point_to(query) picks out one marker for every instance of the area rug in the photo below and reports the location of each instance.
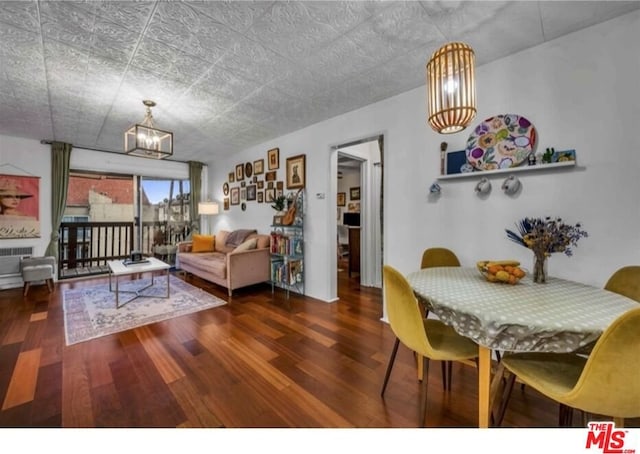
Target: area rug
(90, 312)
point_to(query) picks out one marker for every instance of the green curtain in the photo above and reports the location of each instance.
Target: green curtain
(195, 183)
(60, 156)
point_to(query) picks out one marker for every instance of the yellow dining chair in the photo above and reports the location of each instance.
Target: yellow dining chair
(430, 339)
(438, 256)
(626, 282)
(605, 383)
(432, 257)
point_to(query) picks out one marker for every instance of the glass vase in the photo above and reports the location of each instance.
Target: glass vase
(540, 268)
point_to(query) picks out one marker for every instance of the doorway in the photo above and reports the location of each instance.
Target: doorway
(357, 191)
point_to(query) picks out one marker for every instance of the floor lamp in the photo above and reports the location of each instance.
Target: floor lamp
(208, 209)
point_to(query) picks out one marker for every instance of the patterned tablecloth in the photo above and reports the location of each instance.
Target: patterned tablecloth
(559, 316)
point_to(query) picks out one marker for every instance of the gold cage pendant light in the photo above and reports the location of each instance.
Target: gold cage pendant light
(147, 141)
(451, 85)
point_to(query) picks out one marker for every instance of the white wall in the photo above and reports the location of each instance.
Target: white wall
(580, 91)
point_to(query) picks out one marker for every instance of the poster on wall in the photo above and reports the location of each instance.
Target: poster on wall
(19, 206)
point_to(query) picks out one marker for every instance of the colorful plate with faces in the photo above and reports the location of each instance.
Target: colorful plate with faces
(501, 142)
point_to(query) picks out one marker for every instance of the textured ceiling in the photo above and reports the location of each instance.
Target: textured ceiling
(227, 75)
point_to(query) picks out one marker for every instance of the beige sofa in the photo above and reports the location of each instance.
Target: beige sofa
(225, 267)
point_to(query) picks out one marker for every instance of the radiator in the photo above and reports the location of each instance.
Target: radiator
(10, 265)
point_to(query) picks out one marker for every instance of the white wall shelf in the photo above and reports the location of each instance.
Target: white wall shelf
(510, 170)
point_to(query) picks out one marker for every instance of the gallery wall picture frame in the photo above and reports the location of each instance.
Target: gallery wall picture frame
(270, 185)
(354, 193)
(271, 176)
(240, 172)
(232, 177)
(279, 193)
(251, 192)
(243, 193)
(277, 220)
(273, 159)
(260, 197)
(279, 184)
(342, 199)
(235, 196)
(296, 172)
(270, 195)
(255, 179)
(260, 184)
(248, 170)
(243, 184)
(225, 188)
(226, 204)
(258, 167)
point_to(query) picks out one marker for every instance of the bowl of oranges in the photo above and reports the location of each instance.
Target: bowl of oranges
(503, 271)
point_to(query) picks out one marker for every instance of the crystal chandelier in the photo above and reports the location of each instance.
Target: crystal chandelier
(146, 140)
(451, 86)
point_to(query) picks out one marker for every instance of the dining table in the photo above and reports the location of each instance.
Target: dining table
(560, 315)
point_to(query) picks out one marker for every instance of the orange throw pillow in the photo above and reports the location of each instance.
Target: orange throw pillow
(203, 243)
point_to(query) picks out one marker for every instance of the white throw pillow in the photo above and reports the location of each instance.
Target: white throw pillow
(247, 245)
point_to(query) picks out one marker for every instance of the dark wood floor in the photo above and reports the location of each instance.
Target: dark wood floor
(260, 361)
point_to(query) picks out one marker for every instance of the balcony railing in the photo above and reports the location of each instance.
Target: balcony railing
(86, 247)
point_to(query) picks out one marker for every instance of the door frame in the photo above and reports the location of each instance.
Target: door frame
(366, 179)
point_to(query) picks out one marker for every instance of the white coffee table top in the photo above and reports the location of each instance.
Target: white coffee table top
(118, 267)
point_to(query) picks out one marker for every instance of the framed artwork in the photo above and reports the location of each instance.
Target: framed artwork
(270, 185)
(279, 193)
(270, 176)
(19, 206)
(354, 193)
(243, 194)
(258, 166)
(273, 159)
(248, 170)
(296, 172)
(243, 184)
(454, 160)
(260, 197)
(232, 177)
(240, 172)
(235, 196)
(342, 199)
(354, 207)
(255, 179)
(563, 156)
(226, 204)
(251, 192)
(270, 195)
(260, 184)
(279, 185)
(277, 220)
(225, 188)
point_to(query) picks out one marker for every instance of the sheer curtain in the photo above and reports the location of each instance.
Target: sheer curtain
(60, 157)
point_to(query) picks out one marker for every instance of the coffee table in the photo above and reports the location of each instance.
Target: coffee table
(118, 268)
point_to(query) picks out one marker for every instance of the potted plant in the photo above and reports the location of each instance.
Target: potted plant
(279, 203)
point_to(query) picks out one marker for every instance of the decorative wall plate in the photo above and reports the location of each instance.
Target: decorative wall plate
(501, 142)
